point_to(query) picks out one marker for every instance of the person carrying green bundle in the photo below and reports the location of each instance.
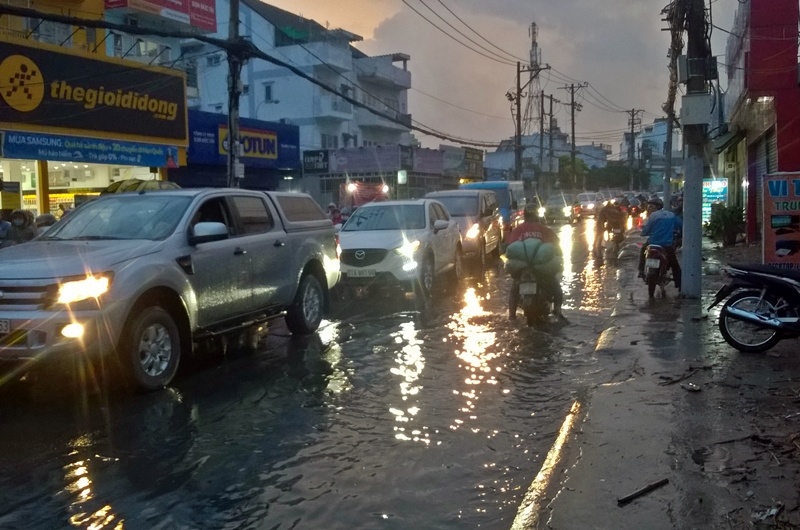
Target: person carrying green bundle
(547, 258)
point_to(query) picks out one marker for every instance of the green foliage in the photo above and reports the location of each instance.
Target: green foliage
(725, 223)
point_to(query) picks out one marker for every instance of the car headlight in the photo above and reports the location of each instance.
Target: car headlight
(90, 287)
(590, 206)
(542, 211)
(473, 231)
(567, 210)
(408, 248)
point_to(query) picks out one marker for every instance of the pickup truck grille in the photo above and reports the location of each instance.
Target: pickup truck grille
(371, 257)
(30, 296)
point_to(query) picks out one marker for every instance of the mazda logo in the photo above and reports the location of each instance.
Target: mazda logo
(360, 254)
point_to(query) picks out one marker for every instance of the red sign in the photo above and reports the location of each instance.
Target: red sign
(201, 14)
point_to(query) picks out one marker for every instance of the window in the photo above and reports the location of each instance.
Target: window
(268, 92)
(214, 60)
(212, 211)
(245, 89)
(253, 214)
(298, 208)
(329, 141)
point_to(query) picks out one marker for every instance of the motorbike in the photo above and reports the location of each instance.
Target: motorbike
(617, 237)
(656, 270)
(536, 303)
(762, 306)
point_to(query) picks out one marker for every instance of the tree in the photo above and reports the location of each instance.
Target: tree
(568, 176)
(615, 176)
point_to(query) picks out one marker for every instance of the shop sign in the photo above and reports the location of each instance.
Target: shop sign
(199, 14)
(315, 162)
(714, 191)
(264, 144)
(31, 146)
(79, 93)
(254, 143)
(781, 222)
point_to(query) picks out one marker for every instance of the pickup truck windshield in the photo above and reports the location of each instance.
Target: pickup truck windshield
(394, 217)
(123, 217)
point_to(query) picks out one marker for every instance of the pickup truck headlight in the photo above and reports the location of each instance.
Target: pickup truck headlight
(473, 231)
(567, 210)
(590, 206)
(408, 248)
(73, 291)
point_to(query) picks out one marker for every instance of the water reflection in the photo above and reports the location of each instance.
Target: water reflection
(410, 364)
(477, 340)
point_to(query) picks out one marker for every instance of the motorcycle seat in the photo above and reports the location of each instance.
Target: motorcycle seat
(793, 274)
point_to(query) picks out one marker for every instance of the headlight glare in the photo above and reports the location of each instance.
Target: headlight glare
(408, 248)
(77, 290)
(542, 211)
(567, 210)
(473, 231)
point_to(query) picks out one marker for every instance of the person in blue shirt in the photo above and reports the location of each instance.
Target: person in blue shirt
(661, 227)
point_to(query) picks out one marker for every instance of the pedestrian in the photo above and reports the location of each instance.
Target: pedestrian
(331, 207)
(43, 222)
(22, 230)
(336, 217)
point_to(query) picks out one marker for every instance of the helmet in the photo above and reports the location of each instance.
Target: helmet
(655, 201)
(531, 212)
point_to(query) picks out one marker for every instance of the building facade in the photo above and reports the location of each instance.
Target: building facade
(92, 106)
(761, 103)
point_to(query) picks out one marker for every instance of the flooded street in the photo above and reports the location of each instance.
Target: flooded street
(386, 418)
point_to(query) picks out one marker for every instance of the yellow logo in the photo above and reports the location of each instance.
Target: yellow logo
(21, 83)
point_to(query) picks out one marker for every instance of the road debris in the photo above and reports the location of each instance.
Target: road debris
(691, 387)
(622, 501)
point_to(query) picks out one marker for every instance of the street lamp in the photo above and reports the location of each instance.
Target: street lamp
(268, 101)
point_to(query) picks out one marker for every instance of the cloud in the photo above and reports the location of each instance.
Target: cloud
(617, 46)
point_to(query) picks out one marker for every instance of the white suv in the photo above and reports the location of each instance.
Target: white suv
(410, 243)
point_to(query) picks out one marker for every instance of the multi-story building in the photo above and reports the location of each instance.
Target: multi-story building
(93, 106)
(327, 119)
(761, 104)
(650, 153)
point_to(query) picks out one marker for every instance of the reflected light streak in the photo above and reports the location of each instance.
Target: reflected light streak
(337, 381)
(476, 353)
(410, 364)
(79, 482)
(565, 235)
(528, 512)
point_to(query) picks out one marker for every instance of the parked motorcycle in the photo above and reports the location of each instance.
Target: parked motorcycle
(656, 270)
(762, 306)
(535, 301)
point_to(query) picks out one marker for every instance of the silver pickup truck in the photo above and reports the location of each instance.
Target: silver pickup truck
(144, 277)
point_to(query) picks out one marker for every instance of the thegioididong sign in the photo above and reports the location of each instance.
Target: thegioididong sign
(44, 89)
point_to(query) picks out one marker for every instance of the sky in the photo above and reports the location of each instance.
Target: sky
(460, 80)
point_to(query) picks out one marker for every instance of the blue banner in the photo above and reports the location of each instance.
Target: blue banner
(34, 146)
(264, 144)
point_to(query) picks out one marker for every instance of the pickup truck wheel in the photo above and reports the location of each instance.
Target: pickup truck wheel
(305, 314)
(151, 349)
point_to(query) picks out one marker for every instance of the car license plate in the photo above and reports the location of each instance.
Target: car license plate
(617, 230)
(361, 273)
(652, 263)
(5, 326)
(527, 289)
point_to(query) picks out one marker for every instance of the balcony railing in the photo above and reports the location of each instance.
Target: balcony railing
(383, 74)
(332, 107)
(399, 122)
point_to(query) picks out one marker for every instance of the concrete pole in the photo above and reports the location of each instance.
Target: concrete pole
(518, 133)
(695, 138)
(234, 92)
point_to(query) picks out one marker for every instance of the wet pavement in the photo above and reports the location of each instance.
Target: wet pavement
(387, 417)
(390, 417)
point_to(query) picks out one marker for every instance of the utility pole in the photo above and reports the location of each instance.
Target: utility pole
(573, 88)
(541, 145)
(517, 98)
(235, 168)
(550, 142)
(632, 121)
(694, 117)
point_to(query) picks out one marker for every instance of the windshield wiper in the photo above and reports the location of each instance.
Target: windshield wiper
(95, 238)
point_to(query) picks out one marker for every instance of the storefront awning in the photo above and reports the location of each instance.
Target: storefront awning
(724, 141)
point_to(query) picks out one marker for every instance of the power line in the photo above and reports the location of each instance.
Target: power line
(501, 60)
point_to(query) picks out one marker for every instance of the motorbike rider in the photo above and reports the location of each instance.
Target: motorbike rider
(610, 216)
(22, 229)
(661, 226)
(533, 228)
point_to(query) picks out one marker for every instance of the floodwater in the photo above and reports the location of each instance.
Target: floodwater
(388, 417)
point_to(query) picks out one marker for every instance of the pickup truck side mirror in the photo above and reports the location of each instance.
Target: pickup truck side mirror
(205, 232)
(440, 224)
